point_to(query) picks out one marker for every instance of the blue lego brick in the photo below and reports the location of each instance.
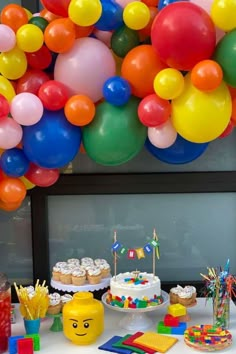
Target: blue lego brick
(12, 344)
(180, 329)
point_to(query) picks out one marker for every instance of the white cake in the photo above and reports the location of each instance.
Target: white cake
(134, 289)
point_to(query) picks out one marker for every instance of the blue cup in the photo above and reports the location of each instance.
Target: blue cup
(32, 326)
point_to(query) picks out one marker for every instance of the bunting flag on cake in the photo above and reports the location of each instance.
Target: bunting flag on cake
(140, 252)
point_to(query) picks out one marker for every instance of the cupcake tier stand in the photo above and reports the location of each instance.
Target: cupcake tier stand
(86, 287)
(136, 319)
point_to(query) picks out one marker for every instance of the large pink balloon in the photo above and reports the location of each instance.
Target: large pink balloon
(10, 133)
(7, 38)
(162, 136)
(206, 5)
(85, 68)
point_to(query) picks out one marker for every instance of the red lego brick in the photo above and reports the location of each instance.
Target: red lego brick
(171, 321)
(25, 346)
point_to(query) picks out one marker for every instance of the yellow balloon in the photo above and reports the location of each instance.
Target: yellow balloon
(13, 64)
(223, 14)
(136, 15)
(29, 38)
(6, 89)
(168, 83)
(201, 117)
(29, 14)
(27, 183)
(85, 12)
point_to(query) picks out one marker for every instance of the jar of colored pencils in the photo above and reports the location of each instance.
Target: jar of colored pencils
(221, 307)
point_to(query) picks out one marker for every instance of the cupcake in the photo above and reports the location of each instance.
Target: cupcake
(56, 273)
(87, 261)
(65, 277)
(174, 294)
(99, 261)
(78, 276)
(94, 275)
(74, 261)
(105, 269)
(61, 264)
(185, 297)
(65, 298)
(194, 292)
(54, 304)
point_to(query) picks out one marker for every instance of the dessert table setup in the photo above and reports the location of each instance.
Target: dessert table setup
(57, 343)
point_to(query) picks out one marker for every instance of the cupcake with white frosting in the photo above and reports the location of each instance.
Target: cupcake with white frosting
(66, 275)
(174, 294)
(54, 304)
(193, 291)
(74, 261)
(61, 264)
(65, 298)
(56, 273)
(105, 269)
(185, 297)
(86, 261)
(78, 276)
(94, 275)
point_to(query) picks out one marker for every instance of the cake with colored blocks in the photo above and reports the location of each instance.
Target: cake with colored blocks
(134, 290)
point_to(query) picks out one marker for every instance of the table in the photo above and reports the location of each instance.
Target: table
(56, 343)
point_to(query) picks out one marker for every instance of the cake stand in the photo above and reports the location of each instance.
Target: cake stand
(136, 319)
(105, 282)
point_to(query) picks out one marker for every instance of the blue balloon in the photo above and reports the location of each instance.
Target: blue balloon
(52, 142)
(182, 151)
(117, 91)
(164, 3)
(111, 18)
(14, 163)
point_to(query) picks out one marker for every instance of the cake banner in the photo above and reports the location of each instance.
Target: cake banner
(132, 253)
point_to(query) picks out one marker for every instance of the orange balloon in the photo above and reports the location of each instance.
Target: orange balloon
(14, 16)
(79, 110)
(149, 3)
(9, 206)
(146, 31)
(207, 75)
(49, 16)
(81, 31)
(12, 190)
(59, 35)
(139, 67)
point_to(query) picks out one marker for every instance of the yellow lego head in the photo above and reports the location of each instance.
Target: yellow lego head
(83, 319)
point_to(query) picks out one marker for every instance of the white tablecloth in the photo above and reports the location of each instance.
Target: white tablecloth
(56, 343)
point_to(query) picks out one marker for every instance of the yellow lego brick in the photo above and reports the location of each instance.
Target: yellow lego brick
(126, 304)
(176, 310)
(145, 298)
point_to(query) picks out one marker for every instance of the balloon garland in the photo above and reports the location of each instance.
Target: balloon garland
(115, 76)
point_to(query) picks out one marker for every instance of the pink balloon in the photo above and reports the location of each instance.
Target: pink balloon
(123, 3)
(104, 36)
(7, 38)
(162, 136)
(42, 177)
(26, 108)
(206, 5)
(85, 68)
(10, 133)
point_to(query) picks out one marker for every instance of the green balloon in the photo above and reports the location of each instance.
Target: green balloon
(115, 135)
(123, 40)
(39, 22)
(225, 56)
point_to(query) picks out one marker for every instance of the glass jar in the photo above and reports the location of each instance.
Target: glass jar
(221, 310)
(5, 312)
(83, 319)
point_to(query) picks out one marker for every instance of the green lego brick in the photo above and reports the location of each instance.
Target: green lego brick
(141, 304)
(161, 328)
(36, 340)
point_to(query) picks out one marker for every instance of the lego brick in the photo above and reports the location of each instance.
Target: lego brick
(25, 346)
(12, 344)
(176, 310)
(171, 321)
(36, 340)
(161, 328)
(180, 329)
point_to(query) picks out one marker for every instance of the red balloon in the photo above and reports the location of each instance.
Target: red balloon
(183, 34)
(57, 7)
(4, 107)
(31, 81)
(153, 110)
(40, 59)
(228, 130)
(42, 177)
(54, 95)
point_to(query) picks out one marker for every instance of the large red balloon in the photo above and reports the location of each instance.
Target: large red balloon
(42, 177)
(183, 34)
(57, 7)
